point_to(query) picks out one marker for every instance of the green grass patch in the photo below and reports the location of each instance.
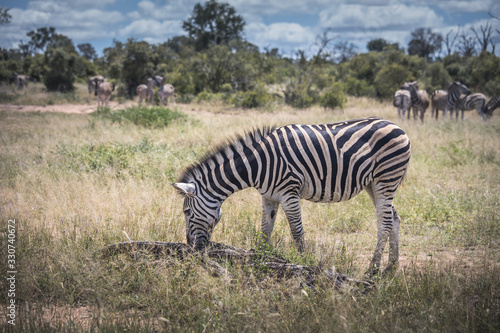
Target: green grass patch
(152, 117)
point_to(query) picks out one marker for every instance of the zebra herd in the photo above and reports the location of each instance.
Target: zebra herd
(103, 89)
(457, 98)
(146, 92)
(320, 163)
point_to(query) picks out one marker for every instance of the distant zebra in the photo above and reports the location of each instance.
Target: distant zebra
(91, 82)
(419, 99)
(103, 90)
(439, 101)
(146, 91)
(469, 102)
(491, 106)
(402, 100)
(455, 89)
(320, 163)
(164, 90)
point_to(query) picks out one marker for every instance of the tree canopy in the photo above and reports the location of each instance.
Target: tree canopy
(424, 43)
(213, 23)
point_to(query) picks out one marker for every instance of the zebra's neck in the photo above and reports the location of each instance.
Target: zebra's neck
(237, 165)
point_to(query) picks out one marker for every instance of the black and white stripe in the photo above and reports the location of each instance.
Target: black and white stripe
(320, 163)
(455, 89)
(491, 106)
(402, 100)
(476, 101)
(419, 99)
(439, 101)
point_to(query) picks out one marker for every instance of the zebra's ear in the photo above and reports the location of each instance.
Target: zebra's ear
(187, 189)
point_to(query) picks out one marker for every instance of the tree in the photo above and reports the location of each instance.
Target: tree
(390, 78)
(344, 51)
(5, 17)
(41, 37)
(137, 65)
(62, 66)
(379, 44)
(424, 43)
(213, 23)
(87, 51)
(450, 39)
(467, 45)
(485, 38)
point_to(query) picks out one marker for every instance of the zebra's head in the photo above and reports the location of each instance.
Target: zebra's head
(201, 213)
(459, 88)
(410, 86)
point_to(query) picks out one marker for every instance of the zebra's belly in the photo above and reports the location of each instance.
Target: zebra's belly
(328, 194)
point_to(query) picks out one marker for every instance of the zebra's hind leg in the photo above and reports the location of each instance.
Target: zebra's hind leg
(394, 243)
(269, 212)
(291, 206)
(385, 228)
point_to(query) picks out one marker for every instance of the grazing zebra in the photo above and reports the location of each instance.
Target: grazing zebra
(419, 99)
(455, 89)
(491, 106)
(402, 100)
(470, 102)
(439, 101)
(103, 90)
(320, 163)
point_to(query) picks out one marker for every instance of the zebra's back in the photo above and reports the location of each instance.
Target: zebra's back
(336, 161)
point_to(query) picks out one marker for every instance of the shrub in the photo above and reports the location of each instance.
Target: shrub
(333, 97)
(251, 99)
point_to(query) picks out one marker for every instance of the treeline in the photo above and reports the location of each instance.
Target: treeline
(205, 66)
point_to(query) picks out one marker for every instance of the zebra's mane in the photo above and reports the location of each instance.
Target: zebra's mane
(222, 149)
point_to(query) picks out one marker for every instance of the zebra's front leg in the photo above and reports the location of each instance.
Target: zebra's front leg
(291, 206)
(269, 212)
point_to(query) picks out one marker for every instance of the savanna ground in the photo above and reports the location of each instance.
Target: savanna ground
(75, 183)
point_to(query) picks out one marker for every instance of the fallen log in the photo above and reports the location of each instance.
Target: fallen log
(216, 254)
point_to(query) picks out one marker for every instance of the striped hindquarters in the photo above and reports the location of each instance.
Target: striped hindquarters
(336, 161)
(476, 101)
(439, 100)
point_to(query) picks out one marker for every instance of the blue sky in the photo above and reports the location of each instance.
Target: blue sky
(287, 25)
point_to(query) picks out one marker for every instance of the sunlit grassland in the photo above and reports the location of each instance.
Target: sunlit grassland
(35, 93)
(77, 183)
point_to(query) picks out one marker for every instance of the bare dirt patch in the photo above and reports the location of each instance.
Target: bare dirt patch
(61, 108)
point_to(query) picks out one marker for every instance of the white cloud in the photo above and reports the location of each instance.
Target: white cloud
(464, 6)
(151, 30)
(285, 34)
(371, 17)
(172, 10)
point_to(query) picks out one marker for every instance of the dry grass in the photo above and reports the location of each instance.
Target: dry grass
(76, 183)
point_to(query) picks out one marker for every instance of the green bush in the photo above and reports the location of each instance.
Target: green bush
(358, 88)
(251, 99)
(333, 97)
(143, 116)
